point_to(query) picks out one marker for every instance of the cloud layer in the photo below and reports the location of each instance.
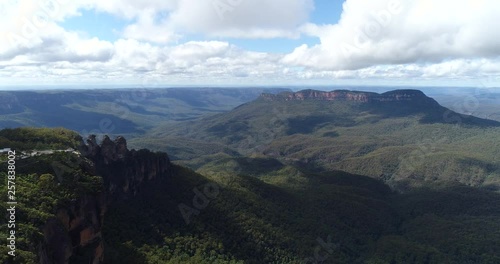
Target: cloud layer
(390, 32)
(402, 41)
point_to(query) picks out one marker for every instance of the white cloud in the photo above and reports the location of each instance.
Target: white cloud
(148, 30)
(165, 21)
(64, 57)
(132, 8)
(52, 44)
(216, 18)
(242, 18)
(403, 31)
(420, 41)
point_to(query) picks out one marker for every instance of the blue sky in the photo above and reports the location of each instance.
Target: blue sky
(96, 24)
(242, 42)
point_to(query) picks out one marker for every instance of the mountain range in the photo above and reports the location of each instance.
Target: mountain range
(286, 177)
(402, 137)
(116, 111)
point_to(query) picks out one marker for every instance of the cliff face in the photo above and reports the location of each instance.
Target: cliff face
(125, 171)
(344, 95)
(75, 236)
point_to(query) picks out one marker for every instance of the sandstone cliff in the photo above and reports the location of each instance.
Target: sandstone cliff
(125, 170)
(75, 235)
(345, 95)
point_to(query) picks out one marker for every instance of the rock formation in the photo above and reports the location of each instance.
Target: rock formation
(345, 95)
(75, 236)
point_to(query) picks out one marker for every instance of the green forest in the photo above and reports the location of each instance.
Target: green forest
(257, 210)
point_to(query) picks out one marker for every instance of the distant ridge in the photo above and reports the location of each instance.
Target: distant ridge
(403, 137)
(346, 95)
(401, 102)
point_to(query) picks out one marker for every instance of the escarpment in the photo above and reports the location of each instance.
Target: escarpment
(408, 96)
(74, 236)
(124, 171)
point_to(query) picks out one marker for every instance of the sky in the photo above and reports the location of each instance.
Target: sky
(159, 43)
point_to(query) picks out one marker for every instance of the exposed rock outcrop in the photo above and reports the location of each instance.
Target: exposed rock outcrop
(345, 95)
(75, 236)
(125, 170)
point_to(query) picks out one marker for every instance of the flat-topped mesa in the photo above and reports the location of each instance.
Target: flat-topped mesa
(345, 95)
(403, 95)
(339, 95)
